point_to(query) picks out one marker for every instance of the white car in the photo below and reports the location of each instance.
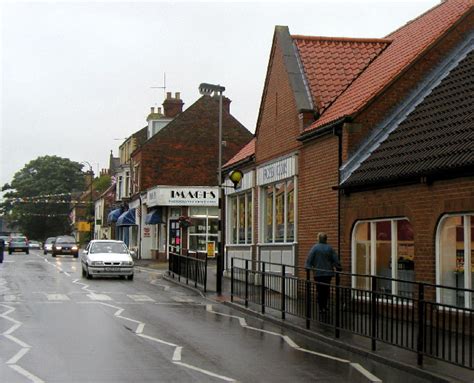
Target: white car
(107, 258)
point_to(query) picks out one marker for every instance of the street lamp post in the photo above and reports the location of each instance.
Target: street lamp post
(208, 89)
(90, 200)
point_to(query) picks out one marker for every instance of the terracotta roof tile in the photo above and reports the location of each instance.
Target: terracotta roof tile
(438, 136)
(408, 43)
(331, 64)
(244, 153)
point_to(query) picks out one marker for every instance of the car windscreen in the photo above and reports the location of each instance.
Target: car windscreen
(50, 240)
(19, 239)
(108, 247)
(65, 240)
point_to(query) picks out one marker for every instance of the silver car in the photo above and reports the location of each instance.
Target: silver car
(107, 258)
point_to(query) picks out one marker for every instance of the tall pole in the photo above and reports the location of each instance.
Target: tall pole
(92, 208)
(220, 254)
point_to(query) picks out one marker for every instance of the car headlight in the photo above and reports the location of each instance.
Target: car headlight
(58, 247)
(127, 263)
(74, 247)
(97, 263)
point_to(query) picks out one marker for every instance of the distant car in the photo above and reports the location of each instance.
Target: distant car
(48, 245)
(65, 245)
(107, 258)
(34, 245)
(17, 244)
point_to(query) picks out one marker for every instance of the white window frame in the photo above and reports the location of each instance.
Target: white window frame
(262, 215)
(373, 248)
(236, 197)
(468, 283)
(207, 235)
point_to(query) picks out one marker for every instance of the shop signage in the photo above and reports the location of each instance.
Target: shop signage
(276, 171)
(146, 232)
(183, 196)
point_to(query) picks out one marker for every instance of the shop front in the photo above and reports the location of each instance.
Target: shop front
(277, 184)
(190, 215)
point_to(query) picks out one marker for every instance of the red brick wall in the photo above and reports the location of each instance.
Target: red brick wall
(422, 204)
(278, 126)
(398, 91)
(317, 201)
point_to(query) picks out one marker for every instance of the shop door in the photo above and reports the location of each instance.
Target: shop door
(174, 243)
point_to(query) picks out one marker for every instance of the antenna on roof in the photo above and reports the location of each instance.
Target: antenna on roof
(161, 87)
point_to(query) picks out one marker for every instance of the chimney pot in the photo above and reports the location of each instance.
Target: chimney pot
(152, 109)
(159, 110)
(168, 95)
(177, 94)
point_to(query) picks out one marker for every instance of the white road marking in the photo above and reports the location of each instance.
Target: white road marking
(156, 283)
(10, 298)
(99, 297)
(177, 354)
(26, 374)
(141, 298)
(367, 374)
(57, 297)
(18, 355)
(17, 341)
(182, 299)
(205, 372)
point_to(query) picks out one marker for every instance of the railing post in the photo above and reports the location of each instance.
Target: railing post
(246, 283)
(283, 291)
(263, 287)
(308, 298)
(205, 273)
(196, 270)
(373, 321)
(178, 257)
(338, 305)
(232, 279)
(187, 268)
(421, 324)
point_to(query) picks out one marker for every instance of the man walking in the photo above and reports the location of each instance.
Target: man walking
(324, 260)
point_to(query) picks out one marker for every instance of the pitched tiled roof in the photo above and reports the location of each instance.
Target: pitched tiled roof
(408, 43)
(246, 152)
(331, 64)
(437, 137)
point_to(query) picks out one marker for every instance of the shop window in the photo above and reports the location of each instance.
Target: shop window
(279, 212)
(204, 227)
(384, 248)
(455, 260)
(240, 218)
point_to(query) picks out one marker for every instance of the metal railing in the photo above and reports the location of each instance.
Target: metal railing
(190, 266)
(415, 321)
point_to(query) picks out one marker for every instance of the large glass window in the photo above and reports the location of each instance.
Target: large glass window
(279, 212)
(455, 263)
(384, 248)
(241, 218)
(204, 228)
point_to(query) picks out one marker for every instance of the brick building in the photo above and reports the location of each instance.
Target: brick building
(175, 176)
(325, 101)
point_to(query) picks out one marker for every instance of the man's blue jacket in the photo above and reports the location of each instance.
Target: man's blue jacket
(324, 259)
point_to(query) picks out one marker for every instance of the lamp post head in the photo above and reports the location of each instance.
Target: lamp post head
(236, 176)
(207, 89)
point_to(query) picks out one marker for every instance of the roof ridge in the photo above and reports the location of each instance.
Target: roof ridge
(416, 18)
(343, 39)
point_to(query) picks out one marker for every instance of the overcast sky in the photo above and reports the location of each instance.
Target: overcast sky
(76, 75)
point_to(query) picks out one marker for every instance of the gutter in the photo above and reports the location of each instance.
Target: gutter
(324, 130)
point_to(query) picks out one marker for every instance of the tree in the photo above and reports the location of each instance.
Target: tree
(38, 198)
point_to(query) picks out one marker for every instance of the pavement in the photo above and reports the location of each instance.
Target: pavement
(395, 357)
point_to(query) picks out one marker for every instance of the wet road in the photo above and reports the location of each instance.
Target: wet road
(56, 326)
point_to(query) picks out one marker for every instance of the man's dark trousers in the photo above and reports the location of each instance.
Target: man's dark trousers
(323, 287)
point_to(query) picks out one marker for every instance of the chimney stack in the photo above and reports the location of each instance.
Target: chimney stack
(172, 106)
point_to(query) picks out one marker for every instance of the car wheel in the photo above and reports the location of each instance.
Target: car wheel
(130, 277)
(53, 255)
(45, 252)
(88, 276)
(83, 272)
(27, 252)
(76, 255)
(9, 252)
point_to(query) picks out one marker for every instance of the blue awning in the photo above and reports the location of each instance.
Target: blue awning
(127, 218)
(114, 215)
(154, 217)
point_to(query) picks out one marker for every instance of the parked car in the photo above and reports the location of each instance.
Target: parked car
(107, 258)
(48, 245)
(34, 245)
(65, 245)
(17, 244)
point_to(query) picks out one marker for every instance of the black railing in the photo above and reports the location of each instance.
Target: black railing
(416, 321)
(191, 266)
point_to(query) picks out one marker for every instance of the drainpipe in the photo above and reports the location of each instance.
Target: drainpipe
(338, 133)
